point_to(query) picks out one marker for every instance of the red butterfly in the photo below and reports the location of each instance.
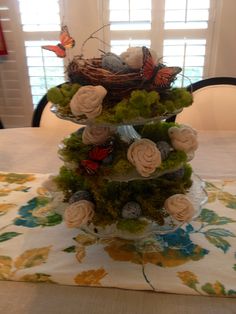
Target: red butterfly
(160, 75)
(66, 41)
(96, 155)
(90, 166)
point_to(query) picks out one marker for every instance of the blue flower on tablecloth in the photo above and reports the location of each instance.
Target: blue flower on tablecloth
(180, 240)
(36, 213)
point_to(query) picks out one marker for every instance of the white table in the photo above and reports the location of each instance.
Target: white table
(35, 150)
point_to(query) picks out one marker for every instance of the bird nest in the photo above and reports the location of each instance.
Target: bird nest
(90, 72)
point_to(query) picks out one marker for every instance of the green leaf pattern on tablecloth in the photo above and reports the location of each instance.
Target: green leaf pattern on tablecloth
(214, 289)
(36, 246)
(8, 235)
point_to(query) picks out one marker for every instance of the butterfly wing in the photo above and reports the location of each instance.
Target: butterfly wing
(165, 76)
(148, 68)
(89, 166)
(59, 50)
(66, 40)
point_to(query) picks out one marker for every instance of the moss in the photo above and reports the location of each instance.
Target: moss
(62, 96)
(157, 131)
(132, 225)
(140, 103)
(174, 160)
(69, 181)
(74, 149)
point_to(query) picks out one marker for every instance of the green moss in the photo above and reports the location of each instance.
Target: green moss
(132, 225)
(69, 181)
(74, 149)
(61, 96)
(174, 160)
(157, 131)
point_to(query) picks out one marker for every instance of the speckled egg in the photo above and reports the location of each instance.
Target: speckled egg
(164, 148)
(114, 63)
(131, 210)
(178, 174)
(108, 160)
(81, 195)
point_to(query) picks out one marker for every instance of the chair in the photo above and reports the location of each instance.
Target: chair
(1, 124)
(43, 117)
(214, 105)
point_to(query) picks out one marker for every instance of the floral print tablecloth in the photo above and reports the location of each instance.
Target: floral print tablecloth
(36, 246)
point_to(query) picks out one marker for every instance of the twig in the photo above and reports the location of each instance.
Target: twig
(93, 37)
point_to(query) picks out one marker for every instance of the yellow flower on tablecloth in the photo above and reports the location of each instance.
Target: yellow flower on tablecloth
(90, 277)
(16, 178)
(37, 277)
(5, 267)
(4, 208)
(85, 239)
(188, 278)
(125, 251)
(33, 257)
(218, 288)
(80, 253)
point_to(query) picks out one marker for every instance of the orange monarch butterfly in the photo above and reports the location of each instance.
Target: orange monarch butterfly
(66, 41)
(160, 75)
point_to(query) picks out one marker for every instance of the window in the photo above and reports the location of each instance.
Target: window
(177, 30)
(40, 28)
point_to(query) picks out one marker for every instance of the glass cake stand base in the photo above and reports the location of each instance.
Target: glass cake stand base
(197, 196)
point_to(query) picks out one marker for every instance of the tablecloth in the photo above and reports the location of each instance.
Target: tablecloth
(36, 246)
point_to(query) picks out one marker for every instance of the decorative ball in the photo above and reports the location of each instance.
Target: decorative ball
(108, 160)
(131, 210)
(178, 174)
(81, 195)
(114, 63)
(164, 148)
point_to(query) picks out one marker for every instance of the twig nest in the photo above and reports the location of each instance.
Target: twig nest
(133, 57)
(145, 156)
(88, 101)
(131, 210)
(79, 213)
(114, 63)
(179, 207)
(81, 195)
(95, 135)
(183, 138)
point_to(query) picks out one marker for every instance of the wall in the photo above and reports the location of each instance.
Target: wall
(223, 61)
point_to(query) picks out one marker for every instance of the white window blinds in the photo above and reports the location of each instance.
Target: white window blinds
(177, 30)
(15, 103)
(41, 27)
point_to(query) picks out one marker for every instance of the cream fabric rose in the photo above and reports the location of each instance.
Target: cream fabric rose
(133, 57)
(179, 207)
(145, 156)
(88, 101)
(183, 138)
(78, 213)
(95, 135)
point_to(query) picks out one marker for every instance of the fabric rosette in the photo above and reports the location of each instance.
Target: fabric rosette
(145, 156)
(179, 207)
(95, 135)
(183, 138)
(79, 213)
(88, 101)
